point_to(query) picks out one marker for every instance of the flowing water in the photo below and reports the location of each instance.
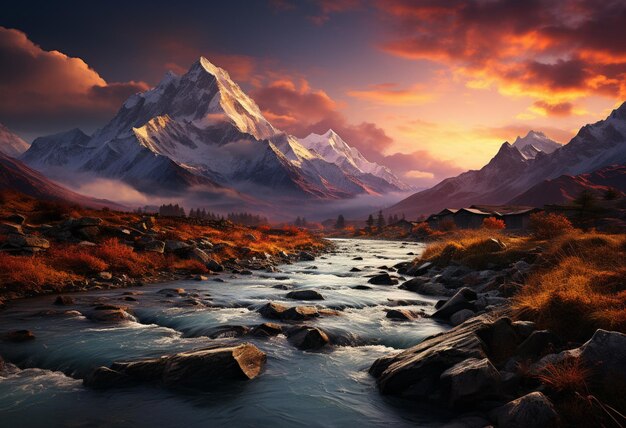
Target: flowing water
(330, 387)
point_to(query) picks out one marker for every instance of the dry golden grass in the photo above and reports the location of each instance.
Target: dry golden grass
(581, 288)
(30, 273)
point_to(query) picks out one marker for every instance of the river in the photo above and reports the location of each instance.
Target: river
(330, 387)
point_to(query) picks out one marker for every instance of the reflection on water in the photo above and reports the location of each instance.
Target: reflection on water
(326, 388)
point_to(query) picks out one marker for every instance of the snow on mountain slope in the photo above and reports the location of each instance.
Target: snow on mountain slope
(199, 129)
(534, 142)
(11, 144)
(332, 148)
(510, 173)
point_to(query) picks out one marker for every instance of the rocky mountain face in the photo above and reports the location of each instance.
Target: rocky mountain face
(517, 168)
(15, 176)
(11, 144)
(200, 130)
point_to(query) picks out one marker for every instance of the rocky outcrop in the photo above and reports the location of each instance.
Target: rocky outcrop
(203, 369)
(533, 410)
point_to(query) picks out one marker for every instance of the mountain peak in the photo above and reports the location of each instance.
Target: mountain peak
(538, 139)
(330, 133)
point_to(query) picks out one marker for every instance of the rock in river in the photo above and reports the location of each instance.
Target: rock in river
(383, 279)
(307, 338)
(304, 295)
(274, 310)
(201, 369)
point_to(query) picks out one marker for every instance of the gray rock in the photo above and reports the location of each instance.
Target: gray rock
(267, 329)
(307, 338)
(172, 245)
(214, 266)
(274, 310)
(203, 369)
(306, 256)
(605, 355)
(417, 270)
(470, 380)
(461, 316)
(155, 247)
(539, 343)
(304, 295)
(30, 241)
(403, 314)
(533, 410)
(501, 339)
(199, 255)
(524, 328)
(383, 279)
(461, 300)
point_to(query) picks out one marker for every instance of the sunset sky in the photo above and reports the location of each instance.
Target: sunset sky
(430, 88)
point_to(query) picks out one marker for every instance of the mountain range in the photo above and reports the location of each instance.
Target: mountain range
(200, 131)
(10, 143)
(533, 160)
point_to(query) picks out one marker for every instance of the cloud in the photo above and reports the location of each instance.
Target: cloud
(557, 109)
(421, 168)
(48, 88)
(391, 94)
(553, 51)
(330, 7)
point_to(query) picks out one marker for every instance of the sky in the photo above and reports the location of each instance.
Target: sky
(429, 88)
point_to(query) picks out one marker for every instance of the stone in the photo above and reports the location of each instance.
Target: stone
(415, 372)
(86, 222)
(110, 315)
(538, 344)
(201, 278)
(501, 339)
(461, 316)
(167, 291)
(7, 228)
(383, 279)
(267, 329)
(307, 338)
(417, 270)
(423, 285)
(172, 245)
(469, 381)
(358, 258)
(533, 410)
(195, 253)
(16, 218)
(64, 300)
(403, 314)
(105, 276)
(89, 233)
(274, 310)
(361, 287)
(155, 247)
(204, 369)
(214, 266)
(605, 355)
(31, 241)
(304, 295)
(524, 328)
(461, 300)
(224, 331)
(306, 256)
(19, 336)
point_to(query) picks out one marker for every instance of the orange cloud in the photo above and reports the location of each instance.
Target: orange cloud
(557, 109)
(553, 51)
(38, 86)
(390, 94)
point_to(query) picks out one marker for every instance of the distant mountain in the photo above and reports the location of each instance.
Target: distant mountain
(11, 144)
(200, 130)
(566, 188)
(510, 173)
(15, 176)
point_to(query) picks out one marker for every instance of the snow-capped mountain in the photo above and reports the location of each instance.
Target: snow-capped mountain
(198, 129)
(11, 144)
(510, 173)
(533, 143)
(332, 148)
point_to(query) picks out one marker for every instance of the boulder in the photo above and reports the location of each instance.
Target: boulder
(605, 355)
(361, 287)
(307, 338)
(64, 300)
(274, 310)
(171, 291)
(27, 241)
(172, 245)
(304, 295)
(306, 256)
(195, 253)
(383, 279)
(355, 269)
(461, 316)
(88, 233)
(224, 331)
(539, 343)
(267, 329)
(533, 410)
(416, 371)
(461, 300)
(402, 314)
(155, 247)
(18, 336)
(104, 314)
(501, 339)
(214, 266)
(423, 285)
(417, 270)
(470, 381)
(86, 222)
(203, 369)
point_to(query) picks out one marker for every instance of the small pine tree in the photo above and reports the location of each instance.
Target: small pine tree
(298, 222)
(341, 222)
(370, 221)
(380, 223)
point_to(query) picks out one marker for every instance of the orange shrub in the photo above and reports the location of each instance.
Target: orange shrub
(121, 257)
(29, 273)
(549, 225)
(77, 260)
(493, 223)
(173, 264)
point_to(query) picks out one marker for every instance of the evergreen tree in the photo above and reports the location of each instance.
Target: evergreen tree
(304, 223)
(380, 223)
(370, 222)
(341, 222)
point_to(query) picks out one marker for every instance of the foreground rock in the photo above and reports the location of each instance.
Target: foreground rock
(533, 410)
(202, 369)
(307, 338)
(383, 279)
(470, 381)
(304, 295)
